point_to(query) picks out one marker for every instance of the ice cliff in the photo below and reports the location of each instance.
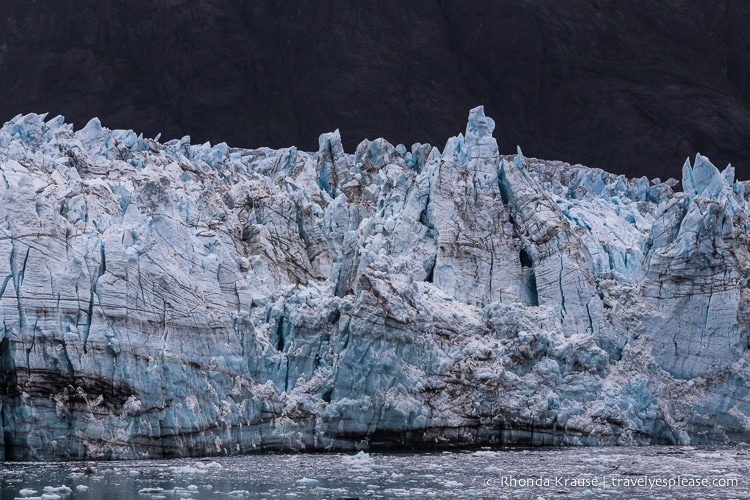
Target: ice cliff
(176, 299)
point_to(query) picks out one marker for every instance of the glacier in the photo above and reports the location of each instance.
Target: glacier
(176, 299)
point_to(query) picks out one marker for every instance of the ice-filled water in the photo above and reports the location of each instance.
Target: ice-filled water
(625, 472)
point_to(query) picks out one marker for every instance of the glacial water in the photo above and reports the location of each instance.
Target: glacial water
(652, 472)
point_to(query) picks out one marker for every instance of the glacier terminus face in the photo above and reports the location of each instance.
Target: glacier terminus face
(171, 299)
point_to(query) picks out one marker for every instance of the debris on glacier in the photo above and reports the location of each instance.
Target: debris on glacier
(173, 299)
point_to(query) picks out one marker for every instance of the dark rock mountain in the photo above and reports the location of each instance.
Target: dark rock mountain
(631, 87)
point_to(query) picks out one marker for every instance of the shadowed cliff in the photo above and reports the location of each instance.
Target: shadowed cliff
(630, 87)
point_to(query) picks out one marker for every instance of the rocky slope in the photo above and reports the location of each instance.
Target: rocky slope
(175, 299)
(630, 87)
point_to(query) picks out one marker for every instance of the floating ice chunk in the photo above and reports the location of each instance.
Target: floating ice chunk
(360, 458)
(307, 481)
(188, 469)
(65, 490)
(484, 453)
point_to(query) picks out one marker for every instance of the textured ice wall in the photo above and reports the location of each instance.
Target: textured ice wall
(176, 299)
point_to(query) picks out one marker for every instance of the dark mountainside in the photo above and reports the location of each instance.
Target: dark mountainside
(631, 87)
